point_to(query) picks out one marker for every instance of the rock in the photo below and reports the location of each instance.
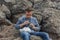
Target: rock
(16, 17)
(52, 23)
(10, 33)
(3, 19)
(1, 1)
(52, 4)
(55, 0)
(18, 38)
(21, 6)
(37, 0)
(12, 1)
(16, 9)
(35, 38)
(6, 11)
(40, 5)
(38, 15)
(9, 38)
(2, 15)
(47, 13)
(32, 38)
(28, 3)
(55, 5)
(58, 6)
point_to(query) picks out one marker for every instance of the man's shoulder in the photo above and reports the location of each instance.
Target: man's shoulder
(20, 18)
(34, 18)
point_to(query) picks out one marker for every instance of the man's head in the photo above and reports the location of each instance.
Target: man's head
(28, 12)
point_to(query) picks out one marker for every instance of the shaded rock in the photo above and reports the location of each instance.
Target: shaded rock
(1, 1)
(16, 17)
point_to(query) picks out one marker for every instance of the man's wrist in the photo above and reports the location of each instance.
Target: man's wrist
(21, 25)
(33, 27)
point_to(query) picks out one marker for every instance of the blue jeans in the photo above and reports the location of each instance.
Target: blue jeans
(26, 35)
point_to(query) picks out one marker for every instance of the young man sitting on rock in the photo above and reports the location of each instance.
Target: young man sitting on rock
(28, 26)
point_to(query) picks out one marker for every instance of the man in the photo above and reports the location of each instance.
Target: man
(31, 22)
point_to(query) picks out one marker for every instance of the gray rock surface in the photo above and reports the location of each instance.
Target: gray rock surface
(47, 13)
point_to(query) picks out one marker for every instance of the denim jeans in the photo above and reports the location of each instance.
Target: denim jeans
(26, 35)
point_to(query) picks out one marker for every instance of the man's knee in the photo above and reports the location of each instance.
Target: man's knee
(24, 34)
(45, 35)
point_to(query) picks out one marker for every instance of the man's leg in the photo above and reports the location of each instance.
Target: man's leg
(44, 35)
(25, 35)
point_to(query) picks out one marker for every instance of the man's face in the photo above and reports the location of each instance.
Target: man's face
(28, 14)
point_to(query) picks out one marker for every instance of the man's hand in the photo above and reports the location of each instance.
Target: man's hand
(32, 25)
(26, 22)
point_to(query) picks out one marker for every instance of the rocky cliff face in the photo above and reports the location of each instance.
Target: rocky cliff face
(47, 13)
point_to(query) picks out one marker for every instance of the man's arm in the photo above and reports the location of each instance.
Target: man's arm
(19, 24)
(24, 23)
(35, 27)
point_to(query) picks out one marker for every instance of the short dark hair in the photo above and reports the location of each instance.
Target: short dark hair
(29, 9)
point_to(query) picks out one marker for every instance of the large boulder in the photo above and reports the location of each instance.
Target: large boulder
(4, 12)
(53, 22)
